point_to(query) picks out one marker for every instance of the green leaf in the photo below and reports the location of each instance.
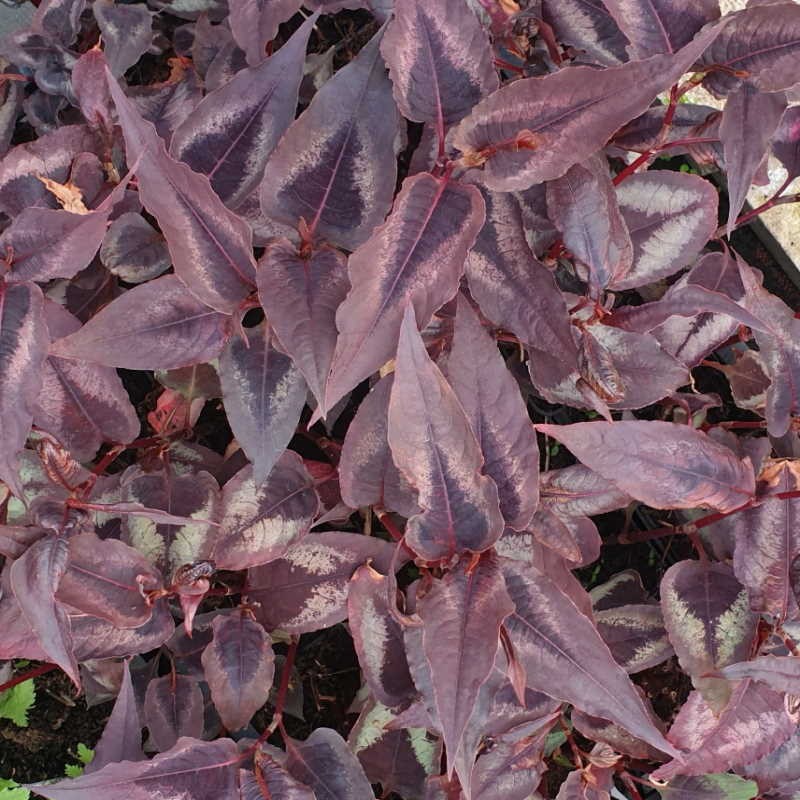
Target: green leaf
(11, 790)
(85, 755)
(17, 701)
(73, 770)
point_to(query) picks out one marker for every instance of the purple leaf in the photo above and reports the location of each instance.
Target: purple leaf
(416, 256)
(578, 491)
(300, 295)
(133, 250)
(239, 666)
(260, 521)
(105, 578)
(512, 288)
(81, 404)
(167, 104)
(90, 88)
(498, 416)
(230, 135)
(439, 59)
(23, 349)
(434, 447)
(719, 786)
(759, 44)
(400, 760)
(306, 589)
(600, 730)
(709, 622)
(200, 770)
(254, 24)
(336, 167)
(97, 639)
(779, 767)
(635, 635)
(126, 31)
(786, 141)
(122, 735)
(173, 708)
(378, 638)
(461, 617)
(509, 770)
(749, 122)
(16, 539)
(565, 657)
(211, 247)
(583, 206)
(264, 395)
(367, 473)
(535, 129)
(327, 766)
(587, 26)
(661, 26)
(34, 579)
(666, 465)
(670, 217)
(182, 535)
(158, 325)
(278, 783)
(49, 156)
(781, 673)
(768, 543)
(755, 722)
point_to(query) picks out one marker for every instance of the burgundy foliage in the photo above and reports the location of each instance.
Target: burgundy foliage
(398, 339)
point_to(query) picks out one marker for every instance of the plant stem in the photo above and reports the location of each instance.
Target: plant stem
(778, 199)
(26, 676)
(645, 157)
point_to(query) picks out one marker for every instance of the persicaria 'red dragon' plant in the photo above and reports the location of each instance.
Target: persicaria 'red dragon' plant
(468, 239)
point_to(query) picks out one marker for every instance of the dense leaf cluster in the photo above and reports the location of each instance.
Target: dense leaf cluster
(334, 283)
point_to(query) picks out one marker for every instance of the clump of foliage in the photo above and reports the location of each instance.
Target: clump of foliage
(463, 248)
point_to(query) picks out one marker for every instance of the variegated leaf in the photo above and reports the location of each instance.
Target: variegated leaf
(107, 579)
(583, 205)
(535, 129)
(498, 416)
(238, 665)
(434, 446)
(781, 766)
(173, 708)
(636, 636)
(367, 474)
(325, 764)
(439, 68)
(254, 24)
(23, 349)
(336, 168)
(461, 618)
(667, 465)
(260, 521)
(134, 250)
(399, 759)
(300, 295)
(417, 256)
(264, 394)
(157, 325)
(231, 133)
(306, 589)
(707, 615)
(171, 545)
(768, 544)
(211, 248)
(81, 404)
(565, 656)
(661, 26)
(781, 673)
(378, 638)
(754, 723)
(670, 217)
(759, 44)
(126, 30)
(200, 770)
(35, 577)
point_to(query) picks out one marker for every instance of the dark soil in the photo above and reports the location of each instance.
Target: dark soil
(57, 723)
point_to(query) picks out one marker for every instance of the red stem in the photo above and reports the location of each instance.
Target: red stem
(748, 216)
(26, 676)
(645, 157)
